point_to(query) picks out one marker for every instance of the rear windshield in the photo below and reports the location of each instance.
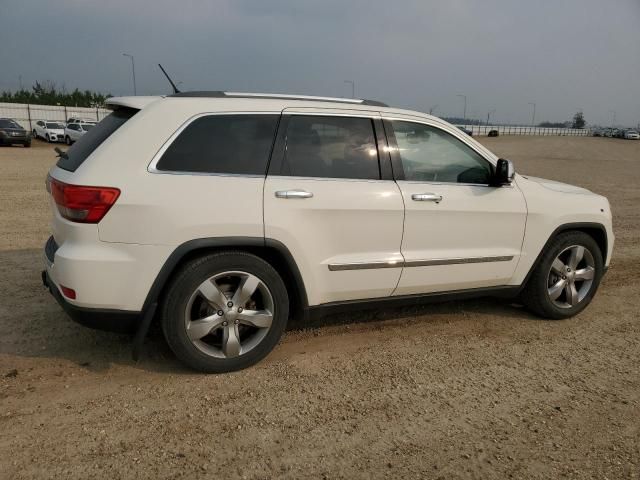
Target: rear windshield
(87, 143)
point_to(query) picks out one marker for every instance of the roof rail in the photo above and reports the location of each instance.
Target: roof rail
(220, 94)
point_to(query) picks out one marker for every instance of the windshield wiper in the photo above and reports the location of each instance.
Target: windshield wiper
(61, 153)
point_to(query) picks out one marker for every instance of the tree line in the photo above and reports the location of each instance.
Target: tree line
(48, 93)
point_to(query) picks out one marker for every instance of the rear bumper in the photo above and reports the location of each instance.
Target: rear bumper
(15, 141)
(119, 321)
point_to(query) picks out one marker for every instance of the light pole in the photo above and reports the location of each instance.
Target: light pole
(613, 118)
(488, 115)
(464, 112)
(133, 70)
(533, 116)
(353, 87)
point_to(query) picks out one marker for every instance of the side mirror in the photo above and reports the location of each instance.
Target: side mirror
(504, 174)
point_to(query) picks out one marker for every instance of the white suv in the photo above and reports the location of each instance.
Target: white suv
(73, 131)
(232, 212)
(49, 130)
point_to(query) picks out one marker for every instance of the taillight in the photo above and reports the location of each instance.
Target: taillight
(82, 204)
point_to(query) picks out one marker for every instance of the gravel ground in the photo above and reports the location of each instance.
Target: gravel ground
(477, 389)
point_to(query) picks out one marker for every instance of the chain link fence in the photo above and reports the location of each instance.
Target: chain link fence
(518, 130)
(27, 115)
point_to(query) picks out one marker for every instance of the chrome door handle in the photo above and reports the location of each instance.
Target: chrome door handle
(426, 197)
(293, 194)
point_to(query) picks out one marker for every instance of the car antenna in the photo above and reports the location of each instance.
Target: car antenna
(173, 85)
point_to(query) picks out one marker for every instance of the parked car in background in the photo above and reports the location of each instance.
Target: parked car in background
(336, 203)
(493, 133)
(608, 132)
(79, 120)
(74, 131)
(467, 131)
(11, 133)
(51, 131)
(598, 132)
(632, 135)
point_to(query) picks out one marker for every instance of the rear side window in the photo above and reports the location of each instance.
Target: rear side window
(330, 147)
(231, 144)
(87, 143)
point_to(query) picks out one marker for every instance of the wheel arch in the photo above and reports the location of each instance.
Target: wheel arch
(597, 231)
(272, 251)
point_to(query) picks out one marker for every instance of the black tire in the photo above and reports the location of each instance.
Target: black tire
(187, 280)
(67, 140)
(27, 144)
(35, 134)
(48, 138)
(535, 294)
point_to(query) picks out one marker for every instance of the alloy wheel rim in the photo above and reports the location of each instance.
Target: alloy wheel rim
(229, 314)
(571, 276)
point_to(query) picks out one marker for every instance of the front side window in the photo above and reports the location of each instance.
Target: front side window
(330, 147)
(429, 154)
(231, 144)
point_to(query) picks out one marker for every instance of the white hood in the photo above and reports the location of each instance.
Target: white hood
(558, 186)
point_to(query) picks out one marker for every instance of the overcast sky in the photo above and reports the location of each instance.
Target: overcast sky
(564, 55)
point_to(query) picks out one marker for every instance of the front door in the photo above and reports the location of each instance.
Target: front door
(326, 200)
(459, 232)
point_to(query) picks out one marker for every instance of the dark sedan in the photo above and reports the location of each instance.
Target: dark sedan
(11, 133)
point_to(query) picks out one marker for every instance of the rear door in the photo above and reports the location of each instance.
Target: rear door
(459, 232)
(329, 197)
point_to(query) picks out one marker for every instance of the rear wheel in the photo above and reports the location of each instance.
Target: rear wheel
(225, 311)
(566, 278)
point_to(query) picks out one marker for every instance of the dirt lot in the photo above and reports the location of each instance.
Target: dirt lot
(461, 390)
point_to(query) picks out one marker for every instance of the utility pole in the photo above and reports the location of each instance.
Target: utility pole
(432, 109)
(533, 116)
(613, 119)
(353, 87)
(464, 112)
(133, 70)
(488, 115)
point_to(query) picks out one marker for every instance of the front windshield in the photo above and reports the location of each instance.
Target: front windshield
(54, 125)
(8, 124)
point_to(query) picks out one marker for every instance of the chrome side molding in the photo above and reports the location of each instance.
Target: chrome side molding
(335, 267)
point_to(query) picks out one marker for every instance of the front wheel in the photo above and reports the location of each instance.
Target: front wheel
(225, 311)
(67, 140)
(566, 279)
